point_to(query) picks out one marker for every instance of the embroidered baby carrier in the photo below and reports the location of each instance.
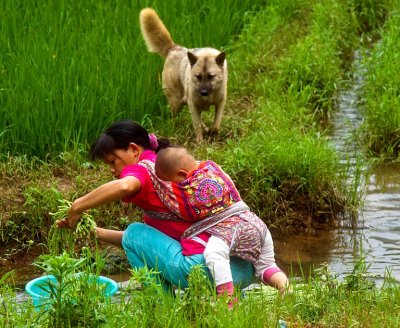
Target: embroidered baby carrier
(207, 200)
(207, 191)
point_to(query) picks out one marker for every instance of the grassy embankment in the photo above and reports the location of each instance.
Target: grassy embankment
(381, 129)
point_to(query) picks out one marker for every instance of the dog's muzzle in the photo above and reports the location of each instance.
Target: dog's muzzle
(204, 92)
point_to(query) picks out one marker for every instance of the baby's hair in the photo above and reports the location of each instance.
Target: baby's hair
(119, 135)
(172, 158)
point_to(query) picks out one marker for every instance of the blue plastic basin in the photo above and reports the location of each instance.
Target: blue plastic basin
(38, 288)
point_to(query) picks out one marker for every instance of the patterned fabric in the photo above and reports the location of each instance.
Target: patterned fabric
(163, 188)
(168, 216)
(212, 220)
(206, 191)
(244, 234)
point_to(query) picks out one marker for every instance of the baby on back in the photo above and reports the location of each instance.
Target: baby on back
(207, 195)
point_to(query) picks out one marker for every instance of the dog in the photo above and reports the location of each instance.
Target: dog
(194, 77)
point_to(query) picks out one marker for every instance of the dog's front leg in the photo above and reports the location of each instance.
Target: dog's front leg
(197, 123)
(219, 110)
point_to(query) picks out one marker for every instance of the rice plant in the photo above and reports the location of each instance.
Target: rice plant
(68, 68)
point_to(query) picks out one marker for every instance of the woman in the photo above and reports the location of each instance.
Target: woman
(154, 243)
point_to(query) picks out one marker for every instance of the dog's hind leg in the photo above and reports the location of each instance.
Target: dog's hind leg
(174, 100)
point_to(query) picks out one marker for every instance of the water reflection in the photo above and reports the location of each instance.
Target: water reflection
(381, 223)
(376, 234)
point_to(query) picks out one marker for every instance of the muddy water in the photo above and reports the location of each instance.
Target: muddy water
(376, 234)
(376, 230)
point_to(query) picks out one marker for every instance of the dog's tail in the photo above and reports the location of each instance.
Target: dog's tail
(155, 33)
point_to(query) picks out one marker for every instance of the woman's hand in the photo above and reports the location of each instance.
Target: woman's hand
(68, 223)
(62, 224)
(73, 216)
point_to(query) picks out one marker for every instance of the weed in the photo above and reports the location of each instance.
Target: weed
(74, 298)
(199, 298)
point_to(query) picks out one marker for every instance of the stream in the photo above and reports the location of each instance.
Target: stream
(375, 232)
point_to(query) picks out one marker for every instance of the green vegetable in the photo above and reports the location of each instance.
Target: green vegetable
(60, 240)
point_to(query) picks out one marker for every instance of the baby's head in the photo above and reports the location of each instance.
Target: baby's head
(174, 164)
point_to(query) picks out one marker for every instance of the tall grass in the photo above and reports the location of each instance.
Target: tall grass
(382, 89)
(70, 68)
(321, 300)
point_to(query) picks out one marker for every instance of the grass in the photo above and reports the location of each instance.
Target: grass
(320, 300)
(382, 118)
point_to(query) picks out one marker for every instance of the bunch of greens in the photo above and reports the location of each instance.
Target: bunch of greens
(65, 239)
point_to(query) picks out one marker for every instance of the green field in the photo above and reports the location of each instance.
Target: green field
(70, 68)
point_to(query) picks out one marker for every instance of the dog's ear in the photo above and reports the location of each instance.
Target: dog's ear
(220, 59)
(192, 58)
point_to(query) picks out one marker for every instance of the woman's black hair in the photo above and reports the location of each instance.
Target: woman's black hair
(118, 136)
(163, 143)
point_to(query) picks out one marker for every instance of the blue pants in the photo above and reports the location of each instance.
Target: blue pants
(147, 246)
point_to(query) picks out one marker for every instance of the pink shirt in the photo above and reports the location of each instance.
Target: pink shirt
(147, 199)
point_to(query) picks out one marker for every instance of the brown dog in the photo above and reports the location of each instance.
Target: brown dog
(194, 77)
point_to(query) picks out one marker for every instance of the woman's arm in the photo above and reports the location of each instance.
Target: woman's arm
(113, 237)
(108, 192)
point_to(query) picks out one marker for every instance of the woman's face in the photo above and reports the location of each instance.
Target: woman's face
(121, 158)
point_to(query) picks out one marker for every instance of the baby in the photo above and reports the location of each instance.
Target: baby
(208, 195)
